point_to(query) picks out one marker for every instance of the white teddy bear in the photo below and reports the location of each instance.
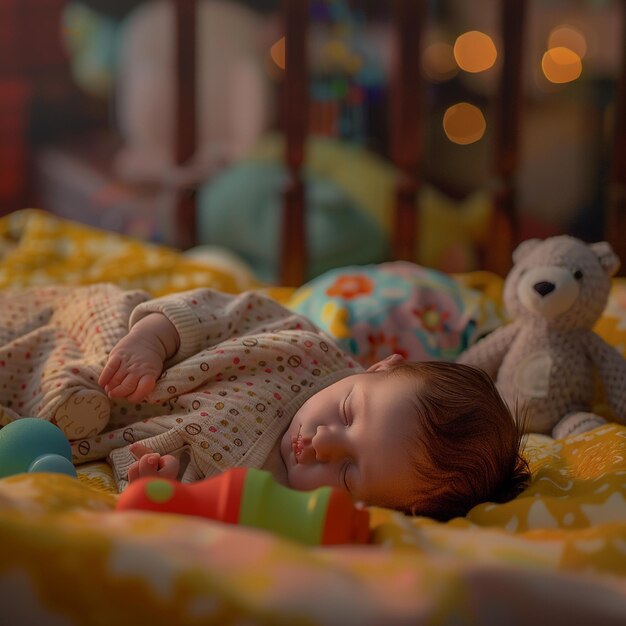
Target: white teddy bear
(545, 360)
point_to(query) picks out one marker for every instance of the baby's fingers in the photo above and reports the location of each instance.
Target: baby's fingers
(145, 385)
(109, 371)
(149, 464)
(144, 467)
(168, 467)
(122, 385)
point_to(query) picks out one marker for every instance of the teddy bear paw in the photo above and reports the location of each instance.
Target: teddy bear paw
(577, 423)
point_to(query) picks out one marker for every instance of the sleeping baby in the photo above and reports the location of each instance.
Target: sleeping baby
(192, 384)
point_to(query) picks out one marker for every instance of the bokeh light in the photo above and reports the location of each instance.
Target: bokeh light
(464, 123)
(567, 36)
(277, 52)
(475, 51)
(438, 62)
(561, 65)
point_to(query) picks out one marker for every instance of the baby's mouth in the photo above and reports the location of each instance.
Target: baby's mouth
(297, 444)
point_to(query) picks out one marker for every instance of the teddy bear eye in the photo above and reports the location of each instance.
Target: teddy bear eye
(578, 275)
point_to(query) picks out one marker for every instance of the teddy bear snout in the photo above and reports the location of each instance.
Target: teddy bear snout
(547, 291)
(543, 288)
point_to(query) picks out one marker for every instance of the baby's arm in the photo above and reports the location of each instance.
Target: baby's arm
(151, 464)
(136, 361)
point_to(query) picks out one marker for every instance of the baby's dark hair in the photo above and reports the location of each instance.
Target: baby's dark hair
(468, 446)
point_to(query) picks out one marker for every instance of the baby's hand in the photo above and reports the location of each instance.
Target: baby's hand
(151, 464)
(137, 360)
(132, 369)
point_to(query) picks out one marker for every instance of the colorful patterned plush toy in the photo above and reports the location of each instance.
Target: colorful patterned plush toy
(545, 361)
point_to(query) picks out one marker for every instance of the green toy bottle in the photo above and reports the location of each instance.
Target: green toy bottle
(252, 497)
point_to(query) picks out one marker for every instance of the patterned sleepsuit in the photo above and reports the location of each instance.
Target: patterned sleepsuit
(245, 365)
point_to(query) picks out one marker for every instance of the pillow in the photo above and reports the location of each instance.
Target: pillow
(376, 310)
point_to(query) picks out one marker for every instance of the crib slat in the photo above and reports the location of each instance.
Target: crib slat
(293, 252)
(185, 126)
(504, 227)
(406, 122)
(615, 218)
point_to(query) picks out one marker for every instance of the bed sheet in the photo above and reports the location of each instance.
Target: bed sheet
(556, 554)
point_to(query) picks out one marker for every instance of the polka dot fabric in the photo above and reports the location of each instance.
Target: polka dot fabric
(230, 403)
(244, 367)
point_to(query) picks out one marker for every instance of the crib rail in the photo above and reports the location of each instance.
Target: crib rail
(405, 122)
(615, 218)
(497, 255)
(186, 114)
(406, 96)
(293, 251)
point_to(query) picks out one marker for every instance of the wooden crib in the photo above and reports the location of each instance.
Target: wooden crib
(406, 120)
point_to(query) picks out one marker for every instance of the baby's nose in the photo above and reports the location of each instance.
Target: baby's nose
(328, 443)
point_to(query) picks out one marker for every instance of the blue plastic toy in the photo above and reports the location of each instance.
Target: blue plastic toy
(34, 445)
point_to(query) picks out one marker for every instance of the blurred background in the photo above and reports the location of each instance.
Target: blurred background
(87, 109)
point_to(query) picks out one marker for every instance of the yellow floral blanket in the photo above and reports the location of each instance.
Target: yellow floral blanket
(557, 554)
(37, 248)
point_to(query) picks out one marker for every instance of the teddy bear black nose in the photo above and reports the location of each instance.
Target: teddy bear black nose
(543, 288)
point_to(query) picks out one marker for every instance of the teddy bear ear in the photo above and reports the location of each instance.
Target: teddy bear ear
(608, 259)
(524, 249)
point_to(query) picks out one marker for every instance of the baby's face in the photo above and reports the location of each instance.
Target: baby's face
(356, 435)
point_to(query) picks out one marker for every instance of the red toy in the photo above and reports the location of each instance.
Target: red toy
(253, 498)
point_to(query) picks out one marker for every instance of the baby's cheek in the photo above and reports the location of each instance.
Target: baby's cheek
(308, 477)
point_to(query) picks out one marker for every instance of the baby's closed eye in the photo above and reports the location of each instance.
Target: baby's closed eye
(345, 411)
(344, 475)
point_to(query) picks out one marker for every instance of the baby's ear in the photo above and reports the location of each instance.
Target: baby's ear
(386, 363)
